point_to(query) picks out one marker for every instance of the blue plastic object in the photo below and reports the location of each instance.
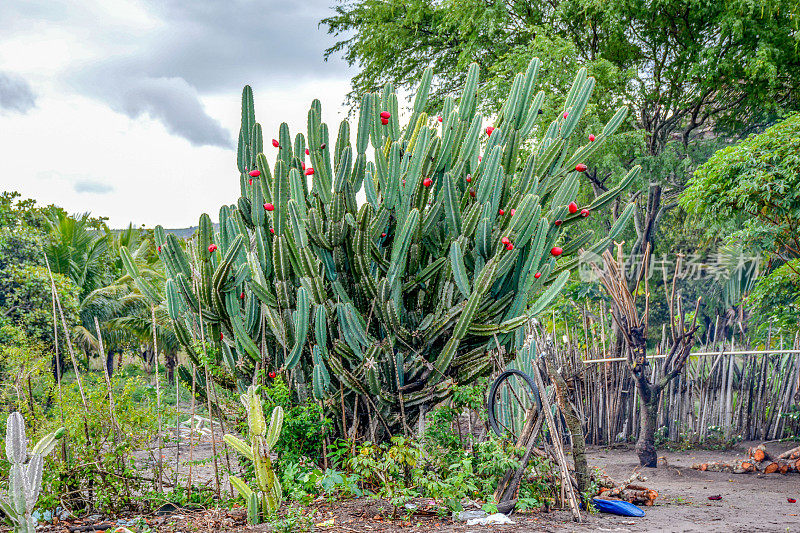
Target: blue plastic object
(617, 507)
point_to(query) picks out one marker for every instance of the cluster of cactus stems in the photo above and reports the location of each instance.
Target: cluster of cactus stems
(461, 240)
(264, 502)
(25, 474)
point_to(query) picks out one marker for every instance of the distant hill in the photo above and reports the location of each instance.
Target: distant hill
(182, 233)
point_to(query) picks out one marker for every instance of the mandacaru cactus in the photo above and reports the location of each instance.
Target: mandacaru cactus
(25, 474)
(389, 300)
(266, 501)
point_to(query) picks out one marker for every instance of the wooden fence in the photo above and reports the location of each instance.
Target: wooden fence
(726, 391)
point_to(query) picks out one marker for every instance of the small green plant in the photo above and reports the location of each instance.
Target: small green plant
(266, 501)
(295, 520)
(304, 424)
(25, 477)
(301, 483)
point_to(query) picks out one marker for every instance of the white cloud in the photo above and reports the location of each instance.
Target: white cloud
(91, 186)
(137, 101)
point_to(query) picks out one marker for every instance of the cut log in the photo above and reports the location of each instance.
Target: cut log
(626, 490)
(635, 494)
(785, 466)
(758, 453)
(739, 467)
(782, 466)
(716, 467)
(794, 453)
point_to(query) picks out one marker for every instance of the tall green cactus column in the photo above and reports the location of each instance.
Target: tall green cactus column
(468, 230)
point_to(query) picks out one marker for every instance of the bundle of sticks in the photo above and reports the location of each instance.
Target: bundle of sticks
(759, 460)
(628, 490)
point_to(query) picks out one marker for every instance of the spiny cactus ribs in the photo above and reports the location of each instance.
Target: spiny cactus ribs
(390, 302)
(25, 474)
(264, 502)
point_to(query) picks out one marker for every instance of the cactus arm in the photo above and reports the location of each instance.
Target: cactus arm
(275, 426)
(239, 445)
(11, 517)
(300, 328)
(16, 442)
(241, 487)
(33, 475)
(47, 443)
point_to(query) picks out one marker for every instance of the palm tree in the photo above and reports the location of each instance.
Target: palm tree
(76, 249)
(125, 314)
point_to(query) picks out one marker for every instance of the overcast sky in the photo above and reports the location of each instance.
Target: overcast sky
(130, 108)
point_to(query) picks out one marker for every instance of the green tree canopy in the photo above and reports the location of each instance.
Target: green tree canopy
(691, 69)
(755, 183)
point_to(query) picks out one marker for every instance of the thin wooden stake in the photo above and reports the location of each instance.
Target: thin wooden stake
(158, 400)
(566, 478)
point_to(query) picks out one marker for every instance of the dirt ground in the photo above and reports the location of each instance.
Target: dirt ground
(750, 503)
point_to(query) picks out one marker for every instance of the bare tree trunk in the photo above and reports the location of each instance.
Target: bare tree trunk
(646, 445)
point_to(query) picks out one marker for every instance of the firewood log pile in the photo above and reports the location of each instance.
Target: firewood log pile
(628, 490)
(759, 460)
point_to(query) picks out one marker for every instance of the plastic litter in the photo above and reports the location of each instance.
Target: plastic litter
(494, 519)
(617, 507)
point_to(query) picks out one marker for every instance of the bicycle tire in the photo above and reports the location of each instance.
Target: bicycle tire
(493, 390)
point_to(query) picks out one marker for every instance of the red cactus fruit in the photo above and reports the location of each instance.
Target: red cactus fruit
(307, 152)
(275, 143)
(250, 181)
(573, 207)
(427, 182)
(584, 212)
(159, 249)
(221, 336)
(501, 212)
(472, 191)
(566, 114)
(512, 212)
(559, 222)
(510, 246)
(309, 171)
(580, 167)
(385, 121)
(272, 230)
(242, 295)
(469, 178)
(556, 251)
(302, 165)
(480, 158)
(386, 115)
(791, 500)
(404, 183)
(505, 240)
(272, 375)
(489, 130)
(212, 248)
(383, 235)
(254, 173)
(537, 275)
(269, 207)
(591, 138)
(439, 118)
